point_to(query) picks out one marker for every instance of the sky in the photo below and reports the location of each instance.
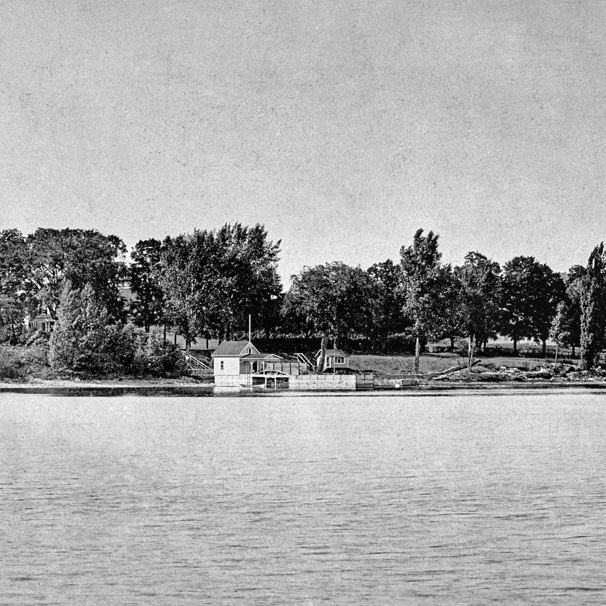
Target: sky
(343, 126)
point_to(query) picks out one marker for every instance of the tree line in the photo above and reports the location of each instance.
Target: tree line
(428, 299)
(200, 284)
(204, 284)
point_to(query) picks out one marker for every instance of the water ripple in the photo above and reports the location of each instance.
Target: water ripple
(310, 500)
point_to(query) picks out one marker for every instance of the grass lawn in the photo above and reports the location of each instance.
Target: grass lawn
(435, 363)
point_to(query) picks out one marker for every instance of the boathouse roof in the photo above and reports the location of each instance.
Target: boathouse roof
(260, 356)
(235, 349)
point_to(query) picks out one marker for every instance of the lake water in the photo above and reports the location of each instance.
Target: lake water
(466, 499)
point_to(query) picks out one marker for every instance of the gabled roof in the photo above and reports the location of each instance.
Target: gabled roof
(260, 356)
(233, 349)
(333, 352)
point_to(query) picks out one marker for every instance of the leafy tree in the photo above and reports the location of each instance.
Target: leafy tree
(389, 301)
(593, 307)
(156, 357)
(12, 318)
(334, 299)
(15, 284)
(249, 281)
(479, 294)
(295, 320)
(144, 275)
(14, 261)
(85, 339)
(422, 281)
(79, 257)
(186, 287)
(573, 281)
(447, 304)
(212, 280)
(560, 327)
(268, 318)
(531, 293)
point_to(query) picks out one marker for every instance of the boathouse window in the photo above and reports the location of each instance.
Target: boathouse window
(222, 365)
(339, 360)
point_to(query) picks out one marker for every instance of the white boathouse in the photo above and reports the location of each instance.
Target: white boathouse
(240, 365)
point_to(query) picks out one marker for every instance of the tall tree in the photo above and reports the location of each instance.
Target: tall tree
(186, 286)
(85, 339)
(447, 302)
(421, 279)
(249, 281)
(15, 284)
(212, 280)
(573, 281)
(531, 293)
(560, 327)
(593, 308)
(479, 299)
(144, 273)
(335, 299)
(389, 301)
(79, 257)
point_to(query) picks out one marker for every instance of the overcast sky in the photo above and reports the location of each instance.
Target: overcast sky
(342, 125)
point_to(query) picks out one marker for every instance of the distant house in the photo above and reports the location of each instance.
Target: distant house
(335, 359)
(42, 322)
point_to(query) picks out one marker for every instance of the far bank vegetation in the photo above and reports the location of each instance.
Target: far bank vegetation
(110, 309)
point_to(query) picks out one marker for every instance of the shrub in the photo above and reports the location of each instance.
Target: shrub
(10, 365)
(155, 357)
(85, 341)
(20, 363)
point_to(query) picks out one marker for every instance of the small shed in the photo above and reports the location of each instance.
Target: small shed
(335, 359)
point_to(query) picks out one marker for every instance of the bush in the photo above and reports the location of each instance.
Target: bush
(155, 357)
(10, 365)
(20, 363)
(85, 341)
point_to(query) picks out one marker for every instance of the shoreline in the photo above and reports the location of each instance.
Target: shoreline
(151, 389)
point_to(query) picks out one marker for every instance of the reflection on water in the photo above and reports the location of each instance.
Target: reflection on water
(347, 500)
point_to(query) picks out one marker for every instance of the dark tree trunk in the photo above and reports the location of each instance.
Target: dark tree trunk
(515, 345)
(544, 348)
(322, 357)
(470, 353)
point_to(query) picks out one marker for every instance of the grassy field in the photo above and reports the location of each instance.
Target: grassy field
(435, 363)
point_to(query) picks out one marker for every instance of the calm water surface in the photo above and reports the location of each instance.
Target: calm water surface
(301, 500)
